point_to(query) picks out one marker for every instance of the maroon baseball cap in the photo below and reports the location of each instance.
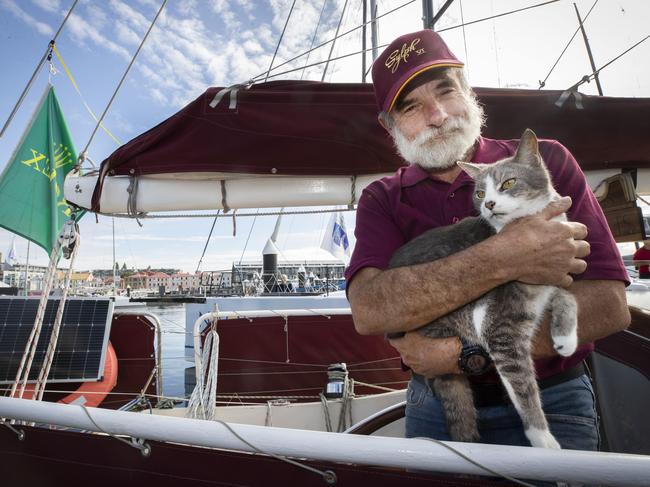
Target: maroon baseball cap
(405, 58)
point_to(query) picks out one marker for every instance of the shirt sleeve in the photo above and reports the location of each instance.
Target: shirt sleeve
(604, 261)
(377, 234)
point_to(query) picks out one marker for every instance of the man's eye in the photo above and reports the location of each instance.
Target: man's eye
(508, 183)
(447, 91)
(480, 194)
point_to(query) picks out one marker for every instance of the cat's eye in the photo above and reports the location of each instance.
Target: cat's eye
(508, 184)
(480, 194)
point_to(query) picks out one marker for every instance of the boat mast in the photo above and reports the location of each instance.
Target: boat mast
(363, 41)
(373, 28)
(591, 56)
(428, 19)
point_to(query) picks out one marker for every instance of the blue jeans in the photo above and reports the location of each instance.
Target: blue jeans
(570, 409)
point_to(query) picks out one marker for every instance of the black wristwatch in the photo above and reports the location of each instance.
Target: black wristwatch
(473, 359)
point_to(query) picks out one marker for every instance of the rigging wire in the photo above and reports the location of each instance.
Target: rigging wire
(462, 21)
(313, 39)
(198, 266)
(588, 77)
(503, 14)
(246, 244)
(119, 85)
(277, 47)
(46, 55)
(336, 34)
(384, 45)
(542, 84)
(327, 42)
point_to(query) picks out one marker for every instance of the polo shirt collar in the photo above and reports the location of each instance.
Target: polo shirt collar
(414, 174)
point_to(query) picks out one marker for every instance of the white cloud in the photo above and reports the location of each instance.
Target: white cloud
(125, 34)
(48, 5)
(14, 8)
(130, 15)
(81, 31)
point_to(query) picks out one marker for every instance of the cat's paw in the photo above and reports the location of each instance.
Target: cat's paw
(542, 438)
(565, 345)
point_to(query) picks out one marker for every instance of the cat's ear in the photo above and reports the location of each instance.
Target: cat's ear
(528, 150)
(472, 170)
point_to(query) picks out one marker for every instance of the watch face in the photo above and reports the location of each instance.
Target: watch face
(476, 362)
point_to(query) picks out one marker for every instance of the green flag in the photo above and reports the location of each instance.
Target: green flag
(31, 187)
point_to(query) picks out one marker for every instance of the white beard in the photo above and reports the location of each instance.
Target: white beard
(440, 148)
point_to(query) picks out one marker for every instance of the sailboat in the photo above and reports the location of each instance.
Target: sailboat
(305, 163)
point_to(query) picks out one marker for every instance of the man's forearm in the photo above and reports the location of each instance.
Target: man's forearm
(533, 249)
(406, 298)
(602, 311)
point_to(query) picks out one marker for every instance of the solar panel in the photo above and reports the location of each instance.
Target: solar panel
(83, 337)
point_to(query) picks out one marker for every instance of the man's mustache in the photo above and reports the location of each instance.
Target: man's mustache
(451, 125)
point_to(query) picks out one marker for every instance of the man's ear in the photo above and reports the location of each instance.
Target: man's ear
(472, 170)
(380, 119)
(381, 122)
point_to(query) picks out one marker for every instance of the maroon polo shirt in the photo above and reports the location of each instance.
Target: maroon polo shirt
(398, 208)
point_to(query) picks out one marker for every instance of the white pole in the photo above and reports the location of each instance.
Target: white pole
(572, 466)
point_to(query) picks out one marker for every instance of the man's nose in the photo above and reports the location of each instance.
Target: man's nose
(490, 204)
(436, 114)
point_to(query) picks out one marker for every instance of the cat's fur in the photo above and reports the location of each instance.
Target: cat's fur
(505, 319)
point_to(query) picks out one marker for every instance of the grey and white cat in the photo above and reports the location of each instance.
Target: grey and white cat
(505, 319)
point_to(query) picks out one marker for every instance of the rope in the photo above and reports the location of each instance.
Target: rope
(326, 412)
(132, 202)
(202, 404)
(474, 462)
(277, 47)
(119, 85)
(542, 84)
(328, 475)
(46, 54)
(83, 100)
(56, 327)
(139, 444)
(336, 34)
(25, 366)
(353, 192)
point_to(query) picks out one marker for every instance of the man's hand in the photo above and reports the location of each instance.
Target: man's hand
(429, 357)
(548, 250)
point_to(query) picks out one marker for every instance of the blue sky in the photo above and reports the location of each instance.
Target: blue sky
(201, 43)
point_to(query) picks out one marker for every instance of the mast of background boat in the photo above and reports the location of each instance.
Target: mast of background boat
(373, 28)
(428, 19)
(27, 269)
(270, 259)
(591, 56)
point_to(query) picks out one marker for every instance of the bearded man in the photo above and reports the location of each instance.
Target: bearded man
(435, 120)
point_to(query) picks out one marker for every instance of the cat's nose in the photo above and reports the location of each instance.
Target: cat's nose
(490, 205)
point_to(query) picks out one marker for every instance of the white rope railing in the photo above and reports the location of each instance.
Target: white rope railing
(67, 240)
